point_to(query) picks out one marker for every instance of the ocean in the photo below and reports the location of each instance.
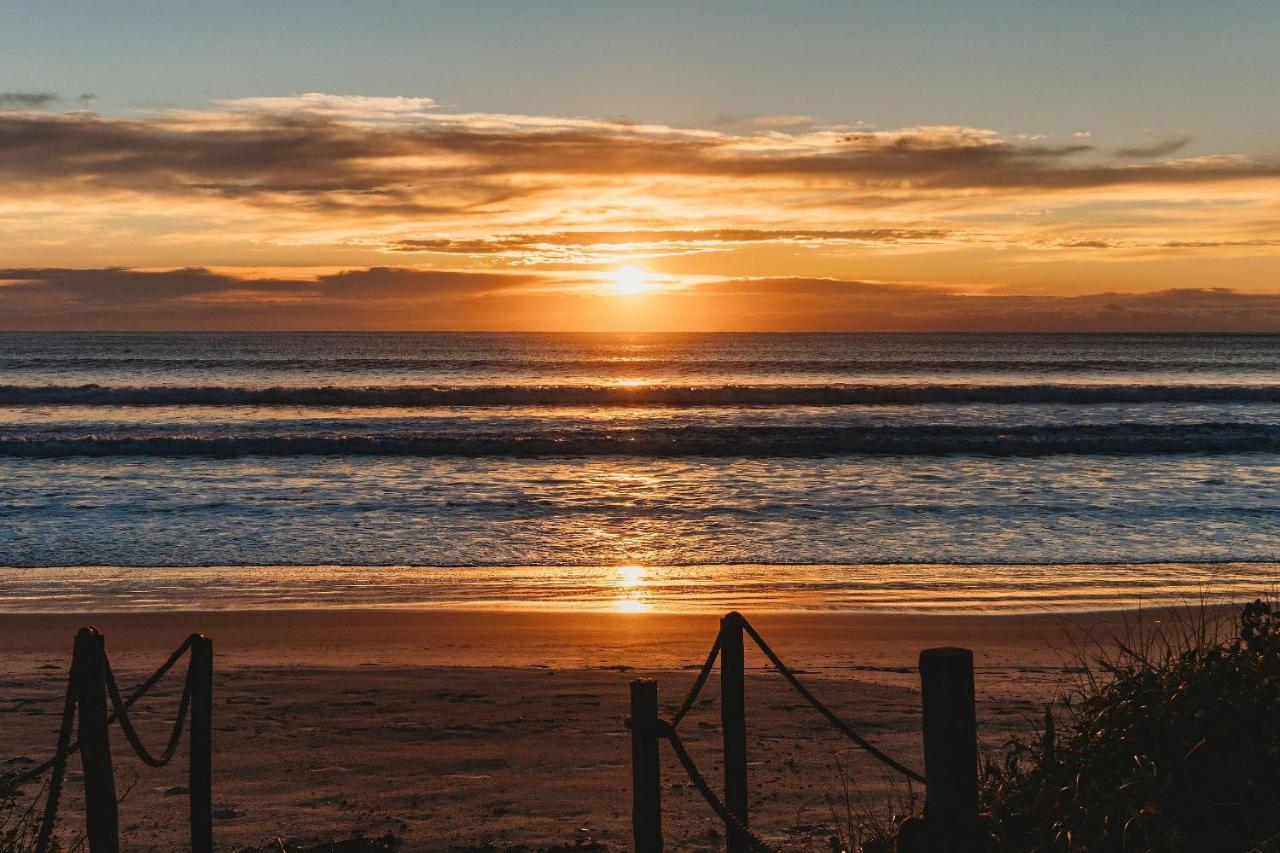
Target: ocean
(635, 471)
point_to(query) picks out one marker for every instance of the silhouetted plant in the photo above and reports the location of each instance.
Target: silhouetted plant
(357, 843)
(19, 821)
(1170, 743)
(860, 823)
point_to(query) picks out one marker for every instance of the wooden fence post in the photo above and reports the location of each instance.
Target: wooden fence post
(646, 776)
(733, 719)
(950, 747)
(101, 819)
(200, 769)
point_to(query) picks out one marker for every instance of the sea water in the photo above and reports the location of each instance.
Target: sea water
(927, 471)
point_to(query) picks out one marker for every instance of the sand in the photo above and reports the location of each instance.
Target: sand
(458, 729)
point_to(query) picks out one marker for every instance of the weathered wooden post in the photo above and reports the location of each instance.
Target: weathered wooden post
(101, 819)
(646, 776)
(950, 747)
(200, 769)
(733, 719)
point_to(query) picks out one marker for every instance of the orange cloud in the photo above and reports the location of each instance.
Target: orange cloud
(329, 181)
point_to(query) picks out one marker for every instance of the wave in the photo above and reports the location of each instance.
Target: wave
(630, 395)
(694, 440)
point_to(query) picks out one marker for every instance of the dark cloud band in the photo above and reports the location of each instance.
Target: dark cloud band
(405, 298)
(451, 167)
(28, 100)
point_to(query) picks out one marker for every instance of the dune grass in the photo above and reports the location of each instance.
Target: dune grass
(1169, 742)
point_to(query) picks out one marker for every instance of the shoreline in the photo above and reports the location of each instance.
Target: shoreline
(720, 565)
(637, 588)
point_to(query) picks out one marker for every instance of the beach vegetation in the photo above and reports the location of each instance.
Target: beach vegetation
(19, 819)
(356, 843)
(1169, 741)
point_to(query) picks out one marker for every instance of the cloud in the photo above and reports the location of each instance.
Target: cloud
(398, 155)
(766, 122)
(345, 180)
(606, 246)
(167, 288)
(360, 107)
(415, 284)
(28, 100)
(1216, 244)
(1156, 149)
(411, 298)
(834, 305)
(112, 286)
(199, 298)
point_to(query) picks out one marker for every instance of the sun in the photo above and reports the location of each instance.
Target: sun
(630, 280)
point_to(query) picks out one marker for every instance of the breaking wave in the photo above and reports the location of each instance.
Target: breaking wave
(630, 395)
(689, 440)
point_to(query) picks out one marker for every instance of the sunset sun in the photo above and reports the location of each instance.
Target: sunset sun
(630, 280)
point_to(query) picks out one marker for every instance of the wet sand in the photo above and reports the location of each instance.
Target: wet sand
(457, 729)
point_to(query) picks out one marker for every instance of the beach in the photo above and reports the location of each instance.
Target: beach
(457, 729)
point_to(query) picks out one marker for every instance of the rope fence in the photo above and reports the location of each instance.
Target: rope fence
(91, 684)
(840, 724)
(93, 701)
(950, 739)
(699, 781)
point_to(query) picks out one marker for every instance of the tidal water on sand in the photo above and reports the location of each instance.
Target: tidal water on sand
(996, 471)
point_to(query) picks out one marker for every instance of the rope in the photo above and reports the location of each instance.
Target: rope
(155, 677)
(128, 703)
(668, 731)
(698, 684)
(131, 734)
(840, 724)
(59, 765)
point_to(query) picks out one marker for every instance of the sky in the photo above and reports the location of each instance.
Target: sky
(974, 166)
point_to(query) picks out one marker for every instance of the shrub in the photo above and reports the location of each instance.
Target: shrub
(1172, 744)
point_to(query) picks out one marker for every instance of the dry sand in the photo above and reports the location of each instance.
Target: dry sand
(457, 729)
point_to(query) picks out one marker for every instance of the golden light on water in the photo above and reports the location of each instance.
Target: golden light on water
(631, 581)
(631, 605)
(631, 576)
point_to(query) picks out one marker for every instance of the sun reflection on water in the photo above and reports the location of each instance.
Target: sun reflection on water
(631, 582)
(631, 575)
(630, 605)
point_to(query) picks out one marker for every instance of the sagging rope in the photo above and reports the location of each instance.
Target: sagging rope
(698, 684)
(840, 724)
(133, 697)
(667, 730)
(131, 734)
(65, 747)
